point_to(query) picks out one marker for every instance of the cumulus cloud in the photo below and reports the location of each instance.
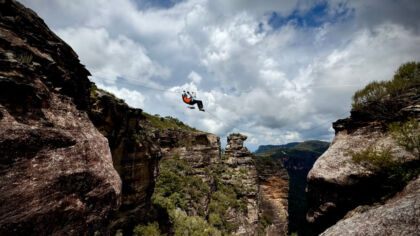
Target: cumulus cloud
(110, 58)
(131, 97)
(278, 71)
(196, 78)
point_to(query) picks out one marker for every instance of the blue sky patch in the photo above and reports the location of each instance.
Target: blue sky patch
(146, 4)
(315, 17)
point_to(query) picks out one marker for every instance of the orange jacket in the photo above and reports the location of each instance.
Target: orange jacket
(186, 99)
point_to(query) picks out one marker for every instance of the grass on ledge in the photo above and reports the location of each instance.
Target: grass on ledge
(167, 122)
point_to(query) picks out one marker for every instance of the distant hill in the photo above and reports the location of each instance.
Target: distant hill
(298, 159)
(263, 148)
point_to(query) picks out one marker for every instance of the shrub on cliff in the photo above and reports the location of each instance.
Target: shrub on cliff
(225, 200)
(151, 229)
(382, 161)
(407, 135)
(407, 76)
(191, 225)
(177, 188)
(177, 191)
(396, 174)
(95, 92)
(167, 122)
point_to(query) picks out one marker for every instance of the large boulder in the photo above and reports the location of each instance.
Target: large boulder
(398, 216)
(56, 170)
(337, 183)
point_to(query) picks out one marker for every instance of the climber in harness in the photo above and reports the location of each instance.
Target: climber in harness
(191, 100)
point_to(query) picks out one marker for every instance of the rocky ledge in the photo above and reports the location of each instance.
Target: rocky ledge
(400, 215)
(337, 183)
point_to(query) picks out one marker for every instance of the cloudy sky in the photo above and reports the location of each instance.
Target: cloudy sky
(276, 70)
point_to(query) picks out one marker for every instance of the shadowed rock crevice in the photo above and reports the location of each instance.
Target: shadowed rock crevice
(22, 99)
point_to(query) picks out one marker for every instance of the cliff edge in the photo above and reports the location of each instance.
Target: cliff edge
(371, 157)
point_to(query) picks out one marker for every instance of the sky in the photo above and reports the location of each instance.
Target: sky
(276, 71)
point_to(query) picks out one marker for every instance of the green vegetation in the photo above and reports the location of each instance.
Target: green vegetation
(264, 221)
(396, 174)
(167, 122)
(381, 160)
(223, 200)
(192, 225)
(95, 91)
(375, 159)
(177, 188)
(315, 146)
(243, 171)
(298, 159)
(226, 198)
(264, 160)
(309, 147)
(225, 157)
(407, 76)
(151, 229)
(407, 135)
(25, 58)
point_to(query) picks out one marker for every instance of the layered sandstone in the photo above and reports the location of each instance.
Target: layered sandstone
(273, 197)
(57, 175)
(242, 172)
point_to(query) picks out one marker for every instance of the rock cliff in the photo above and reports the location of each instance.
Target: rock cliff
(135, 153)
(242, 174)
(217, 193)
(273, 197)
(199, 150)
(338, 183)
(398, 216)
(57, 175)
(79, 161)
(297, 158)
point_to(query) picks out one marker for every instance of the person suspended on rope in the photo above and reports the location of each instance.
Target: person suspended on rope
(191, 100)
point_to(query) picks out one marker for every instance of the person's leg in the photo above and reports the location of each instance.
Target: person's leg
(200, 104)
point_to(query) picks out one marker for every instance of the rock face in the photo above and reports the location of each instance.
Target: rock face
(199, 149)
(135, 154)
(398, 216)
(336, 184)
(297, 158)
(76, 160)
(139, 147)
(254, 202)
(56, 171)
(243, 172)
(273, 197)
